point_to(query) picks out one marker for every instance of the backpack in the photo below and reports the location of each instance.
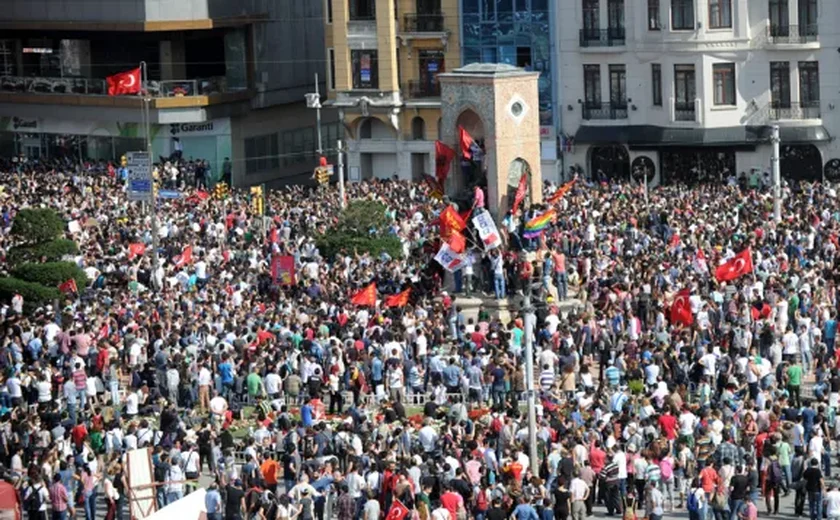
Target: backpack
(33, 501)
(693, 504)
(160, 473)
(481, 501)
(775, 474)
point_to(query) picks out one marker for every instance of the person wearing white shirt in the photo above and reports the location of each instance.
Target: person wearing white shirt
(272, 385)
(132, 404)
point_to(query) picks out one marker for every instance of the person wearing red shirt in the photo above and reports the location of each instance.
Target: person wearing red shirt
(79, 433)
(709, 480)
(451, 500)
(668, 424)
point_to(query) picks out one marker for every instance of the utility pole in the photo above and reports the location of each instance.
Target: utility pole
(313, 100)
(340, 169)
(147, 122)
(530, 320)
(777, 175)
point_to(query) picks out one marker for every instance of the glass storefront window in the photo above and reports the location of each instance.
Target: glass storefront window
(100, 148)
(516, 32)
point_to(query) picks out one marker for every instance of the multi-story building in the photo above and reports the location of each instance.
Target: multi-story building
(690, 88)
(520, 33)
(227, 80)
(383, 58)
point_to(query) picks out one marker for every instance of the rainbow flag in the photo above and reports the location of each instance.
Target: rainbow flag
(535, 226)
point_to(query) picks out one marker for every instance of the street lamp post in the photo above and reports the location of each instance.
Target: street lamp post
(530, 320)
(147, 124)
(777, 175)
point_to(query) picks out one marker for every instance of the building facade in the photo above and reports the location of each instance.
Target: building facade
(383, 58)
(689, 89)
(226, 80)
(519, 33)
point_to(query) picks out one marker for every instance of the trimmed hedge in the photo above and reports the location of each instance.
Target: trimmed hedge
(51, 274)
(53, 251)
(33, 225)
(34, 295)
(333, 243)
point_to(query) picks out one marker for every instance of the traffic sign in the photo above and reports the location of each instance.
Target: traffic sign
(139, 166)
(169, 194)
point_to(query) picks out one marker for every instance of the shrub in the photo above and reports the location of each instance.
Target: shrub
(53, 251)
(363, 217)
(51, 274)
(33, 225)
(335, 242)
(34, 295)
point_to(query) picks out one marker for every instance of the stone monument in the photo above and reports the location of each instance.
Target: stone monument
(498, 105)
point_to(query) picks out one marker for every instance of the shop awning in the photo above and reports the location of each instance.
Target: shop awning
(645, 136)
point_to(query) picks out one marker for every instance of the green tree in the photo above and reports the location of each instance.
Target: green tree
(37, 225)
(35, 260)
(362, 227)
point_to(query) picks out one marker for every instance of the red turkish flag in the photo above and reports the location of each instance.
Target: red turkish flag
(466, 141)
(521, 190)
(366, 297)
(398, 511)
(681, 309)
(399, 299)
(69, 286)
(736, 267)
(443, 158)
(184, 258)
(122, 83)
(136, 249)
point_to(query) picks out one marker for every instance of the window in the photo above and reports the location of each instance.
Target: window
(618, 86)
(362, 10)
(779, 84)
(779, 20)
(808, 17)
(615, 14)
(592, 85)
(261, 154)
(591, 17)
(720, 14)
(654, 20)
(684, 88)
(656, 83)
(299, 145)
(809, 83)
(329, 11)
(331, 69)
(682, 15)
(723, 75)
(365, 69)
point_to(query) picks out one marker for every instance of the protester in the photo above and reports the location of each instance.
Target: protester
(683, 352)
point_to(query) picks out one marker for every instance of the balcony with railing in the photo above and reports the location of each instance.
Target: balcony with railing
(423, 23)
(792, 34)
(685, 111)
(417, 89)
(199, 90)
(794, 111)
(611, 37)
(604, 111)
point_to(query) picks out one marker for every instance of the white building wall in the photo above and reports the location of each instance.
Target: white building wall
(745, 44)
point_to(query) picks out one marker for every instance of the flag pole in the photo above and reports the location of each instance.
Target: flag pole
(147, 123)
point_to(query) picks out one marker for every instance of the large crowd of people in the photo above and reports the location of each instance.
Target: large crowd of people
(290, 402)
